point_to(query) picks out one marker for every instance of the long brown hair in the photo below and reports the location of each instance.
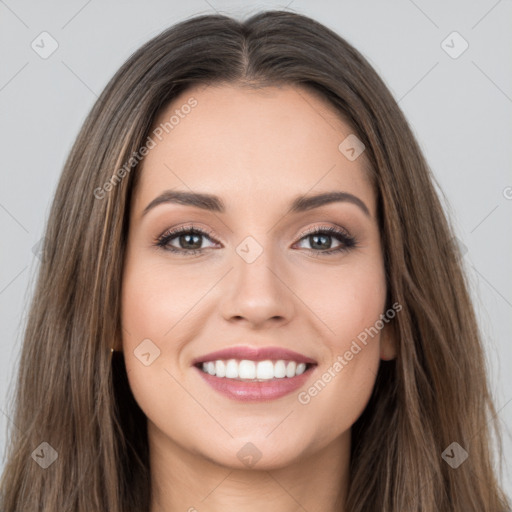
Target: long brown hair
(71, 395)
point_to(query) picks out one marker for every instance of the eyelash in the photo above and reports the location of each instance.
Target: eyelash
(348, 241)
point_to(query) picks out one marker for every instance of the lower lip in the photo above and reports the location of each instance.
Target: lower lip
(256, 391)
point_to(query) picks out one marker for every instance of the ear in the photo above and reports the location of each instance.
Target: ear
(388, 341)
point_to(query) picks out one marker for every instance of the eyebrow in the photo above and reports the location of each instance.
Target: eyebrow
(215, 204)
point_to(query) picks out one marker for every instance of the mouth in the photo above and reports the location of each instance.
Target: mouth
(246, 370)
(255, 374)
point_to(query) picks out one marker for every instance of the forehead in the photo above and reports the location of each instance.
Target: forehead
(254, 146)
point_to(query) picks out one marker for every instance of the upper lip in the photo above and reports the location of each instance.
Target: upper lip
(254, 354)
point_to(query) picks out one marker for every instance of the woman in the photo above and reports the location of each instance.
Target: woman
(250, 294)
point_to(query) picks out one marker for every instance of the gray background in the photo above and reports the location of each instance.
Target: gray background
(460, 110)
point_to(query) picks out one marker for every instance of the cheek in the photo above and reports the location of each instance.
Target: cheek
(159, 303)
(346, 301)
(346, 377)
(154, 300)
(361, 305)
(156, 297)
(351, 310)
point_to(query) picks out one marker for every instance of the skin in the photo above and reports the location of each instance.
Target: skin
(284, 145)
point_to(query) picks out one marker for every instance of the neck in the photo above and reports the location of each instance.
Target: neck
(188, 482)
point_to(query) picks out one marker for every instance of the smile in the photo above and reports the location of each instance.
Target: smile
(255, 381)
(253, 371)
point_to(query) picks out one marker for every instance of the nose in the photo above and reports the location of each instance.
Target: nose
(257, 293)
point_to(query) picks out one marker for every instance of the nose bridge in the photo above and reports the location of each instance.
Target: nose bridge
(257, 291)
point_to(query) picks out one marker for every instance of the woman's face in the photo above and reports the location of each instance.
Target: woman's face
(253, 276)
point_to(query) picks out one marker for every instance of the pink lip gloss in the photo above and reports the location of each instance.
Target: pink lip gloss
(245, 390)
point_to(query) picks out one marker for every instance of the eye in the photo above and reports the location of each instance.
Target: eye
(188, 240)
(320, 240)
(184, 240)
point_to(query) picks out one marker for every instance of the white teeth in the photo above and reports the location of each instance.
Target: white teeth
(220, 368)
(247, 369)
(265, 370)
(301, 367)
(231, 369)
(279, 369)
(290, 369)
(251, 370)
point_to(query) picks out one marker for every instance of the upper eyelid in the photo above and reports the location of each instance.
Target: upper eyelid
(171, 234)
